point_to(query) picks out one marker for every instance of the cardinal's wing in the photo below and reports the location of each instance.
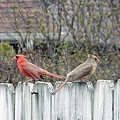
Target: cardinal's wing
(84, 71)
(32, 69)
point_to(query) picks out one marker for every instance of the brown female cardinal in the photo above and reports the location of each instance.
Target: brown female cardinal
(84, 70)
(30, 70)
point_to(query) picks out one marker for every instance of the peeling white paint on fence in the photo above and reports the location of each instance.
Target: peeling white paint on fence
(117, 101)
(103, 101)
(73, 102)
(22, 102)
(41, 102)
(6, 102)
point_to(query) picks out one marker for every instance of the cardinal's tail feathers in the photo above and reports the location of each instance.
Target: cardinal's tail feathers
(63, 84)
(55, 75)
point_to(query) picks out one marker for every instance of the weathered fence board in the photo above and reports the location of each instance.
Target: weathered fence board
(42, 101)
(117, 101)
(103, 101)
(22, 102)
(6, 102)
(73, 102)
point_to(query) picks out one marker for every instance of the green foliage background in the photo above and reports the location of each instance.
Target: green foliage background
(90, 27)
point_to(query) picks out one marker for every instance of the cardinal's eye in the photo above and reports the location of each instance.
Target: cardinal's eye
(95, 59)
(17, 57)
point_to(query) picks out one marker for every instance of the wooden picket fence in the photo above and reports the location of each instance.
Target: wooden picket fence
(73, 102)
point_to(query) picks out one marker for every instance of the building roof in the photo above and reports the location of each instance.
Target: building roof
(22, 10)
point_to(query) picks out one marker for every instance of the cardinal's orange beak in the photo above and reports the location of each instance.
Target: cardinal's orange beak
(15, 59)
(98, 60)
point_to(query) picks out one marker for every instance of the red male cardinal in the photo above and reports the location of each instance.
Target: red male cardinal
(30, 70)
(82, 71)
